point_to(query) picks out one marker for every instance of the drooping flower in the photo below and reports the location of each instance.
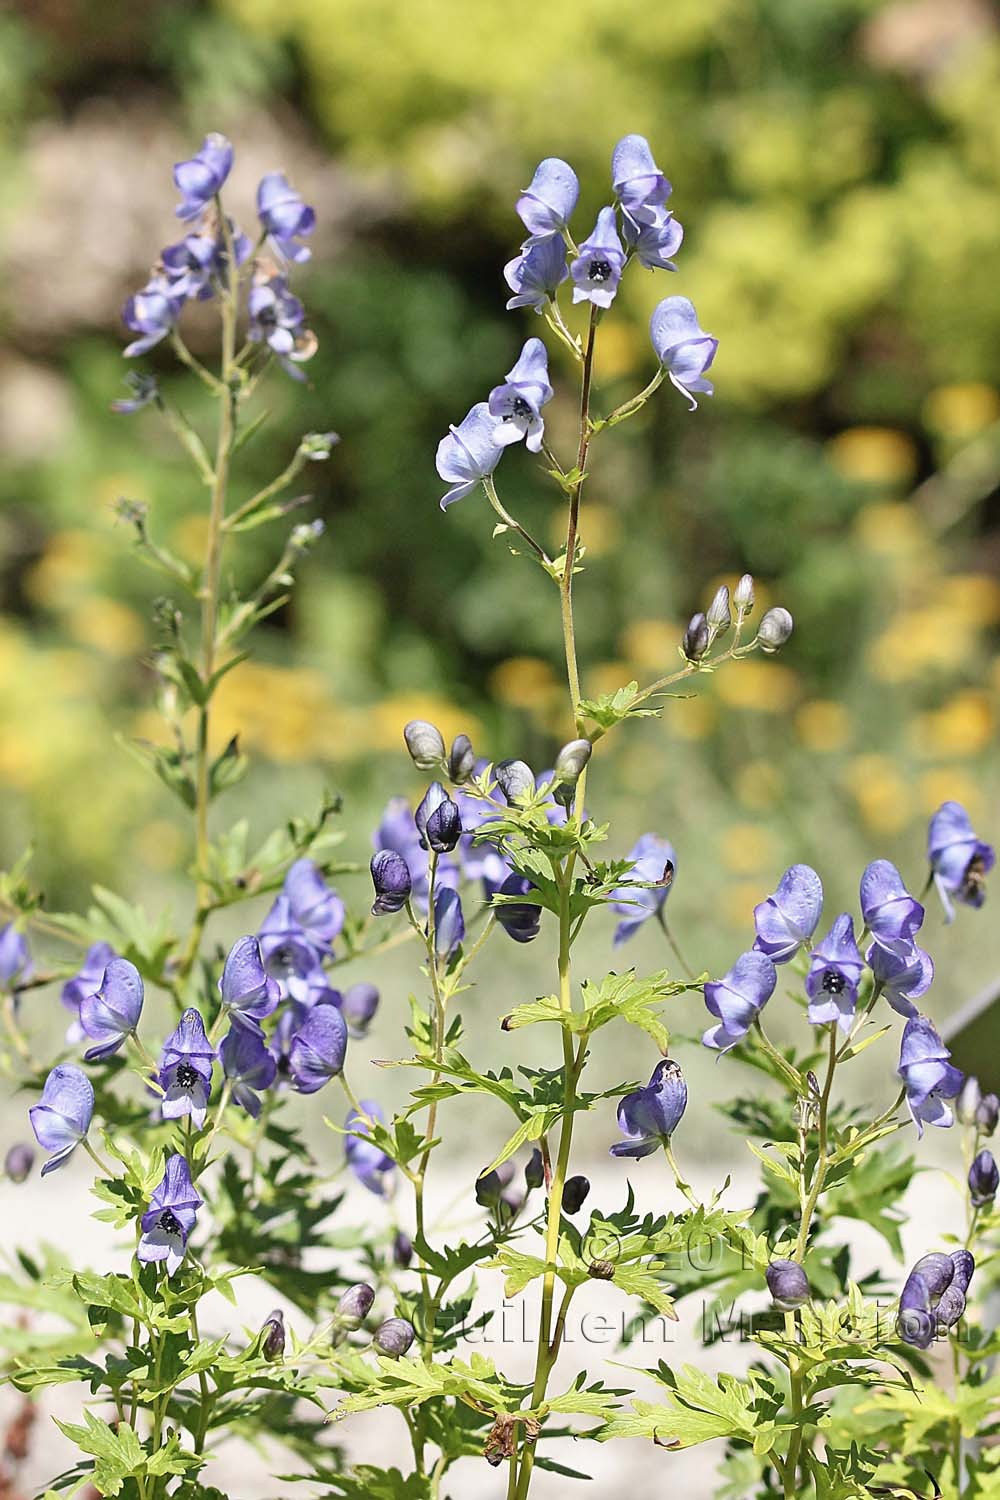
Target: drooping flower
(277, 317)
(903, 977)
(248, 992)
(111, 1014)
(168, 1221)
(535, 274)
(15, 958)
(736, 998)
(789, 918)
(788, 1284)
(653, 859)
(367, 1161)
(891, 914)
(151, 313)
(201, 177)
(198, 262)
(84, 982)
(358, 1006)
(449, 922)
(546, 204)
(597, 270)
(517, 404)
(520, 920)
(648, 1117)
(391, 879)
(933, 1296)
(297, 934)
(248, 1065)
(284, 216)
(469, 453)
(317, 1049)
(682, 346)
(186, 1069)
(928, 1077)
(62, 1116)
(959, 858)
(835, 971)
(655, 243)
(639, 185)
(438, 820)
(984, 1179)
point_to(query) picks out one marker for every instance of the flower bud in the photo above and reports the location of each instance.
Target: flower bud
(515, 779)
(490, 1186)
(520, 920)
(788, 1285)
(574, 1194)
(718, 617)
(695, 642)
(774, 629)
(273, 1345)
(18, 1162)
(394, 1337)
(316, 446)
(461, 759)
(534, 1172)
(438, 820)
(987, 1114)
(402, 1249)
(509, 1207)
(571, 761)
(968, 1101)
(354, 1306)
(358, 1007)
(391, 879)
(743, 595)
(984, 1179)
(425, 744)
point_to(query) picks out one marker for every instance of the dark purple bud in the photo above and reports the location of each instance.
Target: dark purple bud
(915, 1322)
(534, 1172)
(449, 922)
(402, 1249)
(696, 638)
(354, 1306)
(394, 1337)
(520, 920)
(933, 1296)
(425, 743)
(575, 1194)
(969, 1099)
(775, 629)
(273, 1344)
(984, 1179)
(18, 1162)
(358, 1008)
(461, 759)
(391, 879)
(439, 820)
(489, 1189)
(788, 1284)
(987, 1114)
(515, 779)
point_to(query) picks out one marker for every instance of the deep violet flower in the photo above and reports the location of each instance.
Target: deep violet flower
(648, 1117)
(391, 879)
(111, 1014)
(367, 1161)
(186, 1069)
(170, 1217)
(249, 1066)
(835, 971)
(248, 992)
(317, 1049)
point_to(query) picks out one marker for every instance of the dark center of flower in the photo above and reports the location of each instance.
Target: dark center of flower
(519, 408)
(187, 1076)
(975, 877)
(833, 983)
(599, 270)
(169, 1222)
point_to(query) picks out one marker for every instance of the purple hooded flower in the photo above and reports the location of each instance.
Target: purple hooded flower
(170, 1217)
(277, 318)
(468, 454)
(652, 859)
(517, 404)
(535, 274)
(202, 177)
(297, 934)
(248, 1065)
(398, 833)
(195, 262)
(789, 918)
(358, 1006)
(736, 998)
(152, 314)
(391, 879)
(15, 958)
(655, 243)
(247, 990)
(367, 1161)
(890, 912)
(597, 270)
(682, 346)
(903, 977)
(520, 920)
(62, 1116)
(317, 1049)
(835, 971)
(639, 185)
(959, 858)
(984, 1179)
(186, 1070)
(84, 982)
(112, 1013)
(438, 820)
(929, 1078)
(933, 1296)
(649, 1117)
(449, 923)
(546, 204)
(284, 216)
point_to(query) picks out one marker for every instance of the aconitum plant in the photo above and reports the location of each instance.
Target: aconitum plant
(189, 1066)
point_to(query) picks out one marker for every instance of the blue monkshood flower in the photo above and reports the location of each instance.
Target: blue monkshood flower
(468, 454)
(788, 1284)
(277, 317)
(933, 1296)
(654, 244)
(535, 274)
(315, 907)
(520, 920)
(890, 912)
(358, 1006)
(987, 1114)
(546, 204)
(367, 1161)
(597, 270)
(248, 1065)
(318, 1048)
(648, 1118)
(736, 998)
(202, 177)
(984, 1179)
(297, 934)
(15, 958)
(835, 971)
(392, 882)
(789, 918)
(84, 982)
(682, 346)
(449, 922)
(903, 977)
(112, 1013)
(170, 1217)
(652, 858)
(438, 820)
(639, 185)
(959, 858)
(144, 391)
(517, 404)
(151, 313)
(248, 991)
(929, 1078)
(399, 833)
(195, 262)
(62, 1116)
(186, 1069)
(284, 216)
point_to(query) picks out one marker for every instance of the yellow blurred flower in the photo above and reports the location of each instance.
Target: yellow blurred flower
(767, 687)
(160, 844)
(605, 677)
(917, 639)
(962, 726)
(68, 562)
(384, 721)
(619, 350)
(879, 791)
(599, 529)
(747, 848)
(823, 725)
(894, 528)
(520, 681)
(189, 537)
(973, 596)
(758, 785)
(691, 718)
(948, 784)
(874, 455)
(107, 626)
(959, 411)
(739, 900)
(651, 643)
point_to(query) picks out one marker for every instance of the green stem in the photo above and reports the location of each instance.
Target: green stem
(509, 521)
(819, 1175)
(573, 523)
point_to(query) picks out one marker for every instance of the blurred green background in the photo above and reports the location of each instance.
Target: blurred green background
(836, 166)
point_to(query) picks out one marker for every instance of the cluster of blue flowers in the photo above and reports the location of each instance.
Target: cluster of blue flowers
(637, 225)
(212, 250)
